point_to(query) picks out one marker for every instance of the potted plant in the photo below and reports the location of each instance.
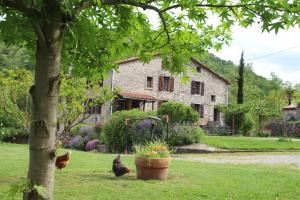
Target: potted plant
(152, 161)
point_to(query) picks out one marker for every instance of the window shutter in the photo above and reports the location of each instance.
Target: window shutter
(201, 111)
(193, 89)
(202, 88)
(161, 83)
(171, 84)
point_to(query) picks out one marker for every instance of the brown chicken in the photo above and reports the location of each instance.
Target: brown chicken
(119, 169)
(62, 161)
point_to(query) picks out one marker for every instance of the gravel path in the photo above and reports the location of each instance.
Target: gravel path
(246, 158)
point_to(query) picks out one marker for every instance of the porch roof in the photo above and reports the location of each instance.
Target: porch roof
(138, 96)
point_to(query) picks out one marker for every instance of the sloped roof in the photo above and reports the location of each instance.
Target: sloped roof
(290, 107)
(134, 95)
(132, 59)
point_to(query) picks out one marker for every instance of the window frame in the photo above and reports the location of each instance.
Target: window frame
(197, 84)
(166, 83)
(213, 98)
(152, 81)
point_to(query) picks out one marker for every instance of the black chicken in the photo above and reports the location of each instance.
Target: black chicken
(117, 167)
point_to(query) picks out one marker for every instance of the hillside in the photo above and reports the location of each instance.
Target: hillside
(254, 84)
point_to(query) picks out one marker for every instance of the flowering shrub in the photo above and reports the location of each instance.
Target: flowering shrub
(155, 149)
(76, 142)
(91, 145)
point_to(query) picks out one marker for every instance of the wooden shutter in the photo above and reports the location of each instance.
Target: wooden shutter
(202, 88)
(193, 87)
(161, 83)
(171, 84)
(201, 111)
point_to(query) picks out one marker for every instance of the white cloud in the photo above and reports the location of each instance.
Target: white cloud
(265, 68)
(256, 44)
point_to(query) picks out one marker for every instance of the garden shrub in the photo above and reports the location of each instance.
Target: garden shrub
(139, 131)
(9, 126)
(79, 141)
(92, 144)
(263, 133)
(178, 112)
(185, 134)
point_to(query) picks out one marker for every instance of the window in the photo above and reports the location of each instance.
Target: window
(213, 98)
(92, 109)
(166, 83)
(195, 87)
(199, 108)
(96, 109)
(198, 68)
(149, 82)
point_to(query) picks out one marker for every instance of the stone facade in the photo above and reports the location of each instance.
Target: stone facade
(291, 112)
(132, 77)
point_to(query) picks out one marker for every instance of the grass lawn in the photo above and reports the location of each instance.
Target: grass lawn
(250, 143)
(88, 177)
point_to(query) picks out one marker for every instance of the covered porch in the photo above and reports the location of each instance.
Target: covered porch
(132, 100)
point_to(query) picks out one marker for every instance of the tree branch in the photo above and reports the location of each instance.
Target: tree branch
(15, 4)
(144, 6)
(22, 7)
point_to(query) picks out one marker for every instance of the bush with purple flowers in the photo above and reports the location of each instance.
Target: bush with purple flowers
(91, 145)
(76, 142)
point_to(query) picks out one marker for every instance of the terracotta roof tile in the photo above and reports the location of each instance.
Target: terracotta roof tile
(134, 95)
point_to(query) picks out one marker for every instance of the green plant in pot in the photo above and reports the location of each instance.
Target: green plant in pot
(152, 161)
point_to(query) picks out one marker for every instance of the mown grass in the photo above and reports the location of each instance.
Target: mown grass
(250, 143)
(88, 177)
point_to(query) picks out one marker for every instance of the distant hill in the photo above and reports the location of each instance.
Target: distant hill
(255, 85)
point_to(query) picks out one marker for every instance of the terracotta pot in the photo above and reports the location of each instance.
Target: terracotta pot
(152, 168)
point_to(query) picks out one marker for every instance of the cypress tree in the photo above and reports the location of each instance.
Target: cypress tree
(240, 81)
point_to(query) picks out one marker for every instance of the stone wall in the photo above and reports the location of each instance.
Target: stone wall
(131, 77)
(291, 115)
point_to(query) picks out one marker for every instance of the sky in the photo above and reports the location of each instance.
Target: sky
(267, 52)
(284, 47)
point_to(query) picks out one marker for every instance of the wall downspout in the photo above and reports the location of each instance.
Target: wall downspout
(112, 88)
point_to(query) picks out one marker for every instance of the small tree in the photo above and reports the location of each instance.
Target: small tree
(77, 97)
(233, 110)
(14, 98)
(289, 91)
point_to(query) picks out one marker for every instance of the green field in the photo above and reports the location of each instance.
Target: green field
(88, 177)
(250, 143)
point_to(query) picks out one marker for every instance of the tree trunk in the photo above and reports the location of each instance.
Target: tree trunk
(44, 94)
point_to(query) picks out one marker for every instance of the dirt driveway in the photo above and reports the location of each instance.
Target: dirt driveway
(245, 158)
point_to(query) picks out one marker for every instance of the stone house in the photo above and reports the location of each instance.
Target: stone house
(291, 112)
(147, 86)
